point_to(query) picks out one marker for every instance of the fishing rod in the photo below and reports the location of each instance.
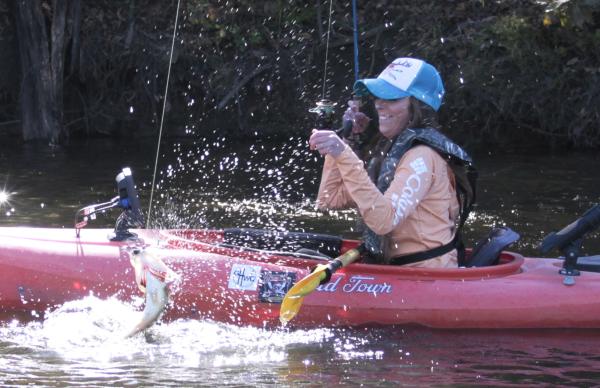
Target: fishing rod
(325, 108)
(355, 36)
(162, 116)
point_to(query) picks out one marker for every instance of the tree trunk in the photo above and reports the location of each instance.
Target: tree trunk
(74, 28)
(130, 25)
(57, 58)
(42, 63)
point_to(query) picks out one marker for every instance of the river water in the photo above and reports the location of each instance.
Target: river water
(218, 183)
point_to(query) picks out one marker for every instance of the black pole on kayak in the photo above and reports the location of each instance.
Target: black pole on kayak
(568, 241)
(132, 216)
(128, 200)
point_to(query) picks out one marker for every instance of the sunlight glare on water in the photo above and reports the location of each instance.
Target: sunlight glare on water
(4, 197)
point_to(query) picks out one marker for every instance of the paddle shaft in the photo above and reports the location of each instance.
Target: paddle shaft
(347, 258)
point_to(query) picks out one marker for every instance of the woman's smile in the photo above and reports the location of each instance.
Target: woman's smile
(394, 116)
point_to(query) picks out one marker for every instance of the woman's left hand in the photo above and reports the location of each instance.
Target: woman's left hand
(326, 142)
(360, 121)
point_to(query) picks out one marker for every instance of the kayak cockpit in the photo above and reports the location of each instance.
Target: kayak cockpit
(285, 248)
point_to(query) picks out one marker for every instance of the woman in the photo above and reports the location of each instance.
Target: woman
(407, 194)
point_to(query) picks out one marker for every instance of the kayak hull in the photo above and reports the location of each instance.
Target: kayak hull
(40, 269)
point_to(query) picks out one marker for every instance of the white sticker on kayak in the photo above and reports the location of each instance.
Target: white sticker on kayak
(244, 277)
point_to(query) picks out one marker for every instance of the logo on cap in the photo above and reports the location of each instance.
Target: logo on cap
(401, 72)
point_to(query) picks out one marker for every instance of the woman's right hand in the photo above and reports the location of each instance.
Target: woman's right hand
(360, 121)
(326, 142)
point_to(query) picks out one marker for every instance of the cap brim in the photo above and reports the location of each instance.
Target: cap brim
(378, 88)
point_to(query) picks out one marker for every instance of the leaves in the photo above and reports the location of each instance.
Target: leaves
(507, 65)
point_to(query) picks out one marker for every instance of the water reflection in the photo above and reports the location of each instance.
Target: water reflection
(419, 356)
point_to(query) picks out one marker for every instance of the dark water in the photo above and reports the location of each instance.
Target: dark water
(272, 185)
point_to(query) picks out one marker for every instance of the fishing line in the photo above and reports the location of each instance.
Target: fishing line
(162, 116)
(327, 48)
(355, 36)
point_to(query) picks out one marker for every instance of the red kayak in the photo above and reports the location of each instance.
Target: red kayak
(240, 276)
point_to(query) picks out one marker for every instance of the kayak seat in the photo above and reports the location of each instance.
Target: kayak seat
(283, 241)
(487, 251)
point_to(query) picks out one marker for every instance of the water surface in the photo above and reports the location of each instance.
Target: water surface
(215, 183)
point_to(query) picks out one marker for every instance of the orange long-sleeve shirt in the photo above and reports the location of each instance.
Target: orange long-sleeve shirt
(417, 212)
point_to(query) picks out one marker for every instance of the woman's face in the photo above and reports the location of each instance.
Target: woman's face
(394, 116)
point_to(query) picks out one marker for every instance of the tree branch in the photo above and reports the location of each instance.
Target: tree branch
(238, 85)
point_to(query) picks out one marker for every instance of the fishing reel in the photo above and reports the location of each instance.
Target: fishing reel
(325, 110)
(128, 200)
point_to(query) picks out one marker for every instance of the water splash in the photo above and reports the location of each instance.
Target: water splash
(81, 344)
(92, 330)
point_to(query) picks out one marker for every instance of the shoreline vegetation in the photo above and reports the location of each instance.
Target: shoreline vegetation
(523, 72)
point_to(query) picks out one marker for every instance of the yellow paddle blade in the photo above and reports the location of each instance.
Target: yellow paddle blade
(307, 284)
(289, 309)
(293, 298)
(292, 301)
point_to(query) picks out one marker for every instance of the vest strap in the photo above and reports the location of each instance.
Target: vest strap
(426, 255)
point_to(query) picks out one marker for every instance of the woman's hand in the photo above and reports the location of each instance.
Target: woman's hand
(360, 121)
(326, 142)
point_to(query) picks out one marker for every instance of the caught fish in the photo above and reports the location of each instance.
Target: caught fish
(154, 279)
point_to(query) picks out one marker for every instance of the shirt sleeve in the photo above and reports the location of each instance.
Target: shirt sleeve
(384, 212)
(332, 193)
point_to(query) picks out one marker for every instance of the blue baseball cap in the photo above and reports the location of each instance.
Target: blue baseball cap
(402, 78)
